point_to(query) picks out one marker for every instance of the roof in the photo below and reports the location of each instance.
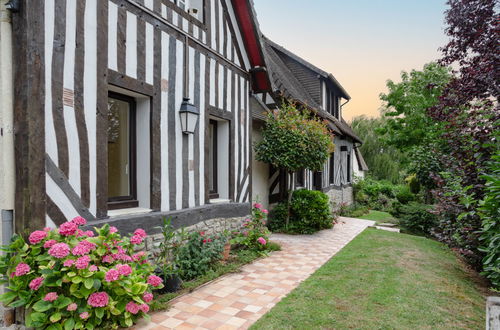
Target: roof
(361, 161)
(286, 81)
(251, 35)
(285, 53)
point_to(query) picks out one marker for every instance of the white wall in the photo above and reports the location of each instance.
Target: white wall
(143, 152)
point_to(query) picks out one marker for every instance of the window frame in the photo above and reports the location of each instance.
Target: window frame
(130, 201)
(214, 194)
(331, 169)
(300, 180)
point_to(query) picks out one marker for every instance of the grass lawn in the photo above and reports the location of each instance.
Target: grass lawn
(379, 217)
(384, 280)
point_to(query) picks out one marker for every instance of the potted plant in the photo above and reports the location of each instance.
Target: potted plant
(166, 257)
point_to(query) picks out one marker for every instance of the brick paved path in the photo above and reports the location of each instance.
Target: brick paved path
(238, 300)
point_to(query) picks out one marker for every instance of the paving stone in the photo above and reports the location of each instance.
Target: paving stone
(238, 300)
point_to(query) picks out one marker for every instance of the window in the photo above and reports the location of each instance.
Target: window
(212, 156)
(332, 169)
(300, 178)
(192, 7)
(349, 167)
(218, 159)
(122, 181)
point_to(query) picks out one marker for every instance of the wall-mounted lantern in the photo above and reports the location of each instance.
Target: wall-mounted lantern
(189, 116)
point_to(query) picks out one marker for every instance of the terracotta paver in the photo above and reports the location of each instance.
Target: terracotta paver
(238, 300)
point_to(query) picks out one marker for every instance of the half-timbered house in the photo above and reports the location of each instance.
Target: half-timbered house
(296, 80)
(100, 88)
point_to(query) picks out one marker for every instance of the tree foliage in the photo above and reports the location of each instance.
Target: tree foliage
(385, 162)
(408, 124)
(293, 140)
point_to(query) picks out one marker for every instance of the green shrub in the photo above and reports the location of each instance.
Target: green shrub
(404, 195)
(310, 212)
(254, 235)
(354, 210)
(417, 218)
(198, 255)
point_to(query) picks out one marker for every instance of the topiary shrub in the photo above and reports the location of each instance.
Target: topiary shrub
(310, 212)
(417, 218)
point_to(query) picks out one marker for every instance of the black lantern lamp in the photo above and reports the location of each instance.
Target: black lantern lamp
(189, 116)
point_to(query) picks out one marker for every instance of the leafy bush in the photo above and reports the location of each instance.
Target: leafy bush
(166, 257)
(354, 210)
(255, 235)
(198, 255)
(71, 279)
(490, 215)
(417, 218)
(404, 195)
(310, 212)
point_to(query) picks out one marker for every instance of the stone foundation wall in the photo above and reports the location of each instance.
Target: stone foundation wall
(339, 196)
(211, 226)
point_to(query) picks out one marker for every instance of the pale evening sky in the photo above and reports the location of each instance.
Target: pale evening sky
(361, 42)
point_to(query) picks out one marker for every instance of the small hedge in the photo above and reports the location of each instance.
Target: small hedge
(416, 217)
(310, 212)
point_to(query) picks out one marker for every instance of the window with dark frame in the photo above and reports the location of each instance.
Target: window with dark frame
(212, 156)
(300, 178)
(331, 169)
(122, 156)
(349, 167)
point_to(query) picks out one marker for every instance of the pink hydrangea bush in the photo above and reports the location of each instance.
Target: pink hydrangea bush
(68, 278)
(254, 234)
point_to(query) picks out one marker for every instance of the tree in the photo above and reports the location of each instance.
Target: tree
(294, 140)
(408, 124)
(385, 162)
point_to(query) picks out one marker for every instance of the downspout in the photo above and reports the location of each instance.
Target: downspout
(7, 164)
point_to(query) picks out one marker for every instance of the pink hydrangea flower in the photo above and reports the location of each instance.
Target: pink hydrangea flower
(51, 296)
(144, 308)
(79, 221)
(136, 239)
(140, 232)
(138, 256)
(68, 263)
(125, 270)
(107, 259)
(93, 268)
(84, 315)
(154, 280)
(262, 240)
(22, 269)
(98, 299)
(147, 297)
(112, 275)
(72, 307)
(47, 229)
(68, 229)
(84, 247)
(257, 205)
(36, 283)
(59, 250)
(82, 262)
(89, 233)
(50, 243)
(132, 308)
(265, 211)
(37, 236)
(113, 229)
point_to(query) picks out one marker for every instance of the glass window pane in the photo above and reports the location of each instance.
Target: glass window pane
(118, 148)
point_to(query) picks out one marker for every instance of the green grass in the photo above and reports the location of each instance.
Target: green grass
(379, 217)
(233, 265)
(384, 280)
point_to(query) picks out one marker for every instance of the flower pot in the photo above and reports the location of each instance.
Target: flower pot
(226, 251)
(171, 282)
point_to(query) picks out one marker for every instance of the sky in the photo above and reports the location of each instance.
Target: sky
(363, 43)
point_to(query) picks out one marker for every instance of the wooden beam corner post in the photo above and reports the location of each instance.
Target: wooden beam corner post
(29, 114)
